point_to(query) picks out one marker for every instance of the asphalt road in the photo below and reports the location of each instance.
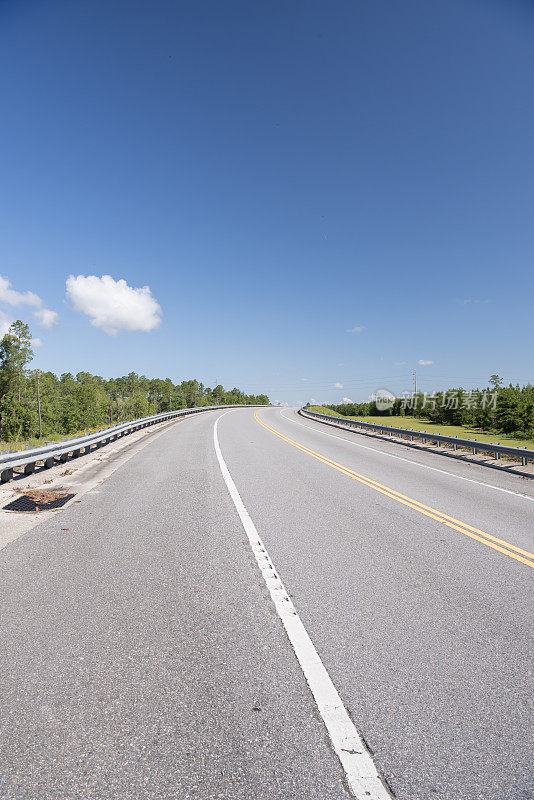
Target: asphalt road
(143, 657)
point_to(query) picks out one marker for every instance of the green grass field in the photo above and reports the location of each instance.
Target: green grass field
(323, 410)
(20, 444)
(447, 430)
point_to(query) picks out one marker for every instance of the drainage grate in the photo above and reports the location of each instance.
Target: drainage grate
(27, 503)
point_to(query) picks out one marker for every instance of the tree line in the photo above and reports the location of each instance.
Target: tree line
(35, 404)
(497, 408)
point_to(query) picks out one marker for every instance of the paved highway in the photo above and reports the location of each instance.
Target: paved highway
(161, 635)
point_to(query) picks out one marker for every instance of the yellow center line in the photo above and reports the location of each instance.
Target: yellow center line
(474, 533)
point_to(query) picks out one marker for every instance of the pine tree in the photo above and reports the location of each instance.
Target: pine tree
(15, 354)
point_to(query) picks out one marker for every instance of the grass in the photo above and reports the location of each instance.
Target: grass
(34, 441)
(323, 410)
(463, 432)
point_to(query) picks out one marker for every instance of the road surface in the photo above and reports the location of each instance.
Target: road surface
(143, 654)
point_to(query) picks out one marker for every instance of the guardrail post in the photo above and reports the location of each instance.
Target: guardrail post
(497, 454)
(29, 468)
(6, 475)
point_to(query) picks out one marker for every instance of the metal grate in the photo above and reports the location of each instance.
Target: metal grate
(27, 503)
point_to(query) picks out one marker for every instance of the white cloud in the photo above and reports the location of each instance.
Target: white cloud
(356, 329)
(36, 342)
(469, 300)
(313, 401)
(400, 363)
(304, 380)
(113, 305)
(424, 363)
(11, 297)
(5, 322)
(338, 385)
(341, 365)
(346, 400)
(47, 317)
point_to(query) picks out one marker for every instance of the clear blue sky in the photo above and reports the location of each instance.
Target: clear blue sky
(278, 173)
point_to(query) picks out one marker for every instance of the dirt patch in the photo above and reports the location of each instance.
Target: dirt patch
(34, 500)
(42, 495)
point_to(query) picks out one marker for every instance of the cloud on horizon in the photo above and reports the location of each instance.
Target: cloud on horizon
(5, 322)
(356, 329)
(11, 297)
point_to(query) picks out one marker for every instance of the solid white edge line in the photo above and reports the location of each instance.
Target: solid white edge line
(408, 460)
(362, 775)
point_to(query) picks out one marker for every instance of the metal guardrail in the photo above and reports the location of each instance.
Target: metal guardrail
(28, 459)
(474, 445)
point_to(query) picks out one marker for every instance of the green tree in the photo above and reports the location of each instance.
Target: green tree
(70, 404)
(22, 351)
(15, 355)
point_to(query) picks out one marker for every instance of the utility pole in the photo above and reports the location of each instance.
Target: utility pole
(39, 407)
(170, 404)
(415, 382)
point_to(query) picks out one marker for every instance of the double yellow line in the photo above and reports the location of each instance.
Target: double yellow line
(474, 533)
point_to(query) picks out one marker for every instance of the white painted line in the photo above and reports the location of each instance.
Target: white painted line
(408, 460)
(362, 775)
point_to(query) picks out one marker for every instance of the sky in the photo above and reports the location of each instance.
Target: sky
(307, 198)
